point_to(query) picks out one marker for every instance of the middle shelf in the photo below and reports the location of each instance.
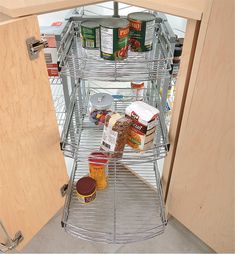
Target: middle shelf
(80, 137)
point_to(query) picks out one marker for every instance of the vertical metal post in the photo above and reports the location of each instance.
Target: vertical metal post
(66, 91)
(115, 10)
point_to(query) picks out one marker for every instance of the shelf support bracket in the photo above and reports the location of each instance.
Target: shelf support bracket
(6, 243)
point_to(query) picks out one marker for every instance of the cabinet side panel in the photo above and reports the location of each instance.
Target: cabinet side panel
(32, 167)
(201, 193)
(187, 58)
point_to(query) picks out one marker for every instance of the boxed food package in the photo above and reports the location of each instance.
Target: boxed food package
(53, 35)
(144, 121)
(115, 134)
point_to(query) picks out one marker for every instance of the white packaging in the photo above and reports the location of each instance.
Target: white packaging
(144, 121)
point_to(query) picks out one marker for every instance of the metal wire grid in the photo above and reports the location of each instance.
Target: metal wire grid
(58, 99)
(88, 65)
(130, 209)
(80, 137)
(106, 8)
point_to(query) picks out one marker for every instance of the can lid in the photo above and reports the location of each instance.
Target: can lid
(114, 23)
(101, 100)
(98, 157)
(177, 51)
(142, 16)
(90, 24)
(86, 186)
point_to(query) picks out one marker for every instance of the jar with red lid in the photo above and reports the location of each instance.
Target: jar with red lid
(137, 88)
(98, 168)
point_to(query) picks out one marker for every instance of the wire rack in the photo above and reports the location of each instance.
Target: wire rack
(130, 209)
(88, 65)
(80, 137)
(58, 99)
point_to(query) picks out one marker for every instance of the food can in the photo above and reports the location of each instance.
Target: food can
(141, 31)
(114, 39)
(98, 169)
(86, 189)
(90, 32)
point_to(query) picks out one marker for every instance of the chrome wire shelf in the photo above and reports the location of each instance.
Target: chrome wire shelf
(130, 209)
(80, 137)
(58, 99)
(87, 64)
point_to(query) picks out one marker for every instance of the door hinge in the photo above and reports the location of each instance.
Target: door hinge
(34, 46)
(6, 243)
(63, 190)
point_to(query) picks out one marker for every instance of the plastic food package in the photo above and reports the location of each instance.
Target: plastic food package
(115, 134)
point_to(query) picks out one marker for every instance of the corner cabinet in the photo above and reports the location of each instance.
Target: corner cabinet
(199, 170)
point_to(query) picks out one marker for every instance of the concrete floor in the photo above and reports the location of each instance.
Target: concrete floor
(176, 239)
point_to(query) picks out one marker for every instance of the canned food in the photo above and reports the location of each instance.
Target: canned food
(98, 169)
(114, 39)
(90, 34)
(141, 31)
(86, 189)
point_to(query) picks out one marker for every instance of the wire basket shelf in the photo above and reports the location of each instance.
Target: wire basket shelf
(88, 65)
(80, 137)
(130, 209)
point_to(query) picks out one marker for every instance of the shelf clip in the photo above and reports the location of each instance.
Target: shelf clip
(6, 243)
(63, 190)
(35, 46)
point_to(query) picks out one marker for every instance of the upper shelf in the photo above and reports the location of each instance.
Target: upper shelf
(192, 9)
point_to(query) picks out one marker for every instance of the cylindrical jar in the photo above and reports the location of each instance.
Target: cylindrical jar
(176, 61)
(137, 88)
(98, 168)
(86, 189)
(100, 105)
(114, 39)
(141, 31)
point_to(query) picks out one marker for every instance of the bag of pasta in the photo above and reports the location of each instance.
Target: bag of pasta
(115, 134)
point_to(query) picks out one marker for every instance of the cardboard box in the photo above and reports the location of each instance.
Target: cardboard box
(53, 34)
(144, 121)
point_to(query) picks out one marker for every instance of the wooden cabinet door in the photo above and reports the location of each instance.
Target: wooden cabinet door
(202, 192)
(32, 167)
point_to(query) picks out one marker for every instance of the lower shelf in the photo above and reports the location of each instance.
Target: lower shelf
(130, 209)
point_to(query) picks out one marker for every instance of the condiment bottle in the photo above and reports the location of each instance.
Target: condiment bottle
(137, 88)
(176, 61)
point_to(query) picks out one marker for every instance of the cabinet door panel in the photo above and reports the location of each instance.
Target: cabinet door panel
(32, 167)
(202, 193)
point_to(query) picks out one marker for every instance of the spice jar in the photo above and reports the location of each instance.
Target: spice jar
(86, 189)
(100, 106)
(176, 61)
(98, 167)
(137, 88)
